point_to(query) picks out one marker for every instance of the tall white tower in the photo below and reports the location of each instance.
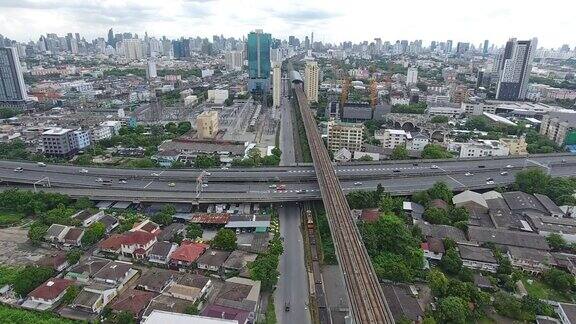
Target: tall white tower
(276, 84)
(311, 80)
(412, 75)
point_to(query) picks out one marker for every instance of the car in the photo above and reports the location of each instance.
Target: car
(99, 180)
(489, 179)
(491, 182)
(281, 188)
(433, 166)
(208, 173)
(19, 169)
(204, 185)
(154, 174)
(272, 186)
(287, 306)
(396, 171)
(468, 174)
(414, 164)
(357, 183)
(302, 191)
(224, 168)
(41, 164)
(563, 160)
(509, 166)
(171, 184)
(504, 173)
(481, 166)
(83, 171)
(122, 181)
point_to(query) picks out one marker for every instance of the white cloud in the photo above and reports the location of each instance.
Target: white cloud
(330, 20)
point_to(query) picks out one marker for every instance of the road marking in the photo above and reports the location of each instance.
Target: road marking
(452, 178)
(149, 183)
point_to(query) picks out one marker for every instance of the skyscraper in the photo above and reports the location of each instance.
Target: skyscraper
(514, 69)
(311, 79)
(111, 40)
(233, 60)
(259, 61)
(449, 46)
(276, 84)
(485, 48)
(151, 72)
(412, 75)
(12, 87)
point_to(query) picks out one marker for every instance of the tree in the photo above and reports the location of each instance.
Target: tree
(254, 155)
(391, 205)
(124, 317)
(225, 239)
(392, 267)
(439, 119)
(276, 151)
(366, 158)
(399, 153)
(558, 279)
(36, 232)
(265, 269)
(83, 203)
(177, 238)
(452, 310)
(434, 151)
(31, 277)
(204, 161)
(73, 256)
(192, 309)
(422, 198)
(171, 127)
(437, 216)
(70, 294)
(193, 231)
(438, 282)
(440, 190)
(164, 217)
(458, 214)
(531, 181)
(93, 234)
(509, 306)
(184, 127)
(451, 262)
(480, 123)
(556, 241)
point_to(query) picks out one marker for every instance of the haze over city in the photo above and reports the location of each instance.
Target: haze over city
(332, 21)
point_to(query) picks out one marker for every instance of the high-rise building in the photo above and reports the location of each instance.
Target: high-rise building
(12, 87)
(485, 48)
(345, 135)
(462, 47)
(233, 60)
(412, 75)
(259, 65)
(133, 49)
(276, 84)
(151, 72)
(311, 80)
(514, 69)
(111, 40)
(449, 46)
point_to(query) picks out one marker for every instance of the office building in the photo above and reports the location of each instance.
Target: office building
(259, 65)
(485, 48)
(59, 142)
(514, 69)
(276, 84)
(412, 75)
(462, 48)
(448, 46)
(207, 124)
(345, 135)
(311, 80)
(151, 72)
(132, 49)
(233, 60)
(12, 87)
(390, 138)
(217, 96)
(559, 127)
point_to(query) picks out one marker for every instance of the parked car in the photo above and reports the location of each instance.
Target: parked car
(41, 164)
(357, 183)
(19, 169)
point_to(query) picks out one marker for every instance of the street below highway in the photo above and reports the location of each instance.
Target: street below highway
(293, 281)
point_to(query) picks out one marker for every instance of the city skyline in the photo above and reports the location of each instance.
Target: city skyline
(26, 20)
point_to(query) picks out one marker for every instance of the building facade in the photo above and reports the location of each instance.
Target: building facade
(276, 85)
(345, 135)
(207, 124)
(558, 126)
(311, 80)
(390, 138)
(12, 87)
(259, 65)
(59, 142)
(412, 76)
(514, 69)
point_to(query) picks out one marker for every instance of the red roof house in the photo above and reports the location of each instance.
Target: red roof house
(187, 253)
(51, 291)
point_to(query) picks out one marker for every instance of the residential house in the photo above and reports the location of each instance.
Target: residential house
(441, 231)
(505, 237)
(93, 298)
(112, 244)
(110, 222)
(186, 254)
(549, 205)
(73, 237)
(56, 233)
(133, 301)
(85, 270)
(369, 215)
(567, 313)
(546, 225)
(158, 316)
(531, 260)
(88, 217)
(566, 261)
(135, 244)
(248, 223)
(433, 248)
(169, 231)
(212, 260)
(402, 302)
(238, 261)
(48, 294)
(228, 314)
(156, 280)
(146, 226)
(482, 282)
(478, 258)
(166, 303)
(240, 293)
(161, 251)
(470, 200)
(115, 273)
(56, 261)
(189, 287)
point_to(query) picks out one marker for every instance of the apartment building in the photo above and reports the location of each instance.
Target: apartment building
(59, 142)
(557, 126)
(390, 138)
(483, 148)
(345, 135)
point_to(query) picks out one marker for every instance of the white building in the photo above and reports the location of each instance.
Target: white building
(190, 101)
(133, 49)
(100, 133)
(82, 139)
(276, 84)
(233, 60)
(113, 125)
(418, 142)
(390, 138)
(311, 80)
(151, 72)
(483, 148)
(217, 96)
(412, 75)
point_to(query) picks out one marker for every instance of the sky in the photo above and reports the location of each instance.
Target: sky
(553, 22)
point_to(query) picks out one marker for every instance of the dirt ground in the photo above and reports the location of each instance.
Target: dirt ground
(16, 249)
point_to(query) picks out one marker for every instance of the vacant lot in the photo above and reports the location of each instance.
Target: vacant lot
(15, 248)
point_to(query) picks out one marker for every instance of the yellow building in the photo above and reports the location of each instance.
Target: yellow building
(207, 124)
(345, 135)
(517, 146)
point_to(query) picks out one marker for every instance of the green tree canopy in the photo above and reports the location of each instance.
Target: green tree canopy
(435, 151)
(225, 239)
(193, 231)
(94, 233)
(452, 310)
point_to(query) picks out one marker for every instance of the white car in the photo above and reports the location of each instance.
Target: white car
(468, 174)
(41, 164)
(509, 166)
(154, 174)
(122, 181)
(273, 186)
(357, 183)
(433, 166)
(490, 182)
(171, 184)
(99, 180)
(504, 173)
(208, 173)
(83, 171)
(19, 169)
(204, 185)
